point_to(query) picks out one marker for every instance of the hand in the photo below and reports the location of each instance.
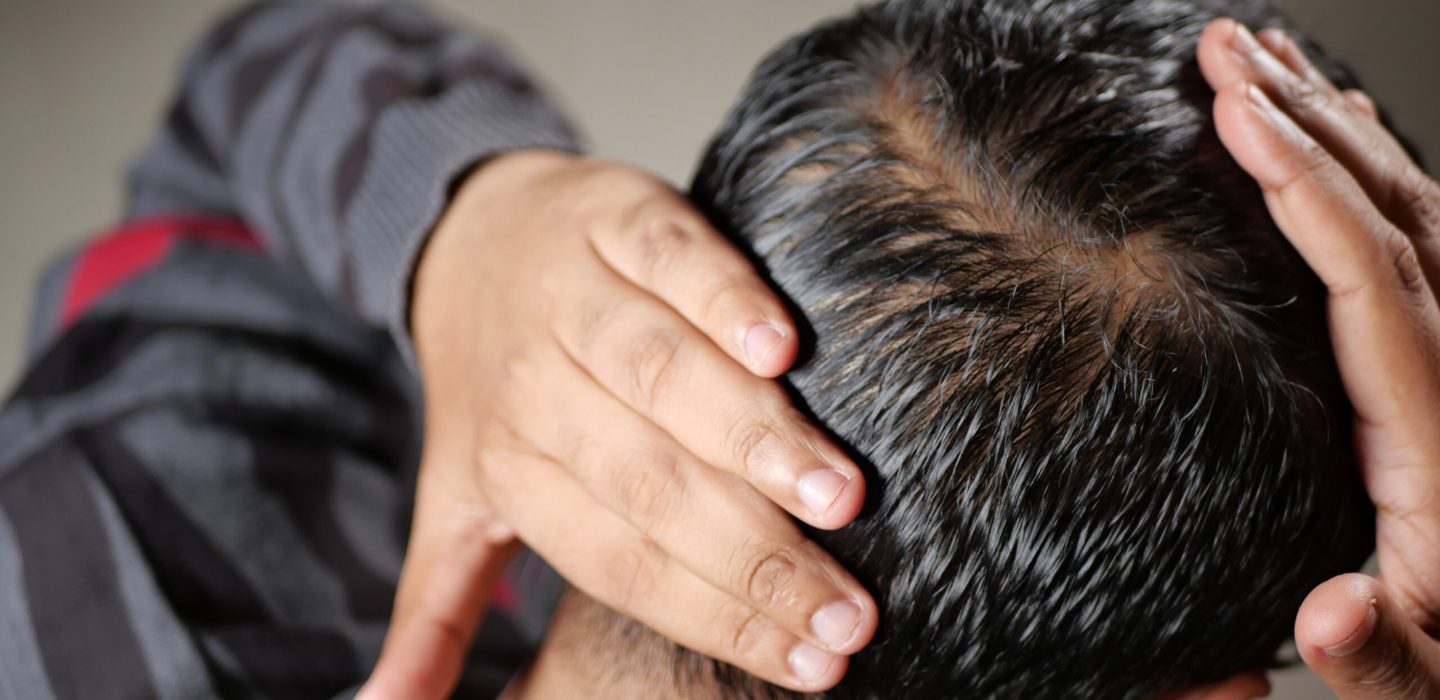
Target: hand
(1367, 220)
(597, 362)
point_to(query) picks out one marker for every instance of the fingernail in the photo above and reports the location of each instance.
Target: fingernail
(760, 341)
(835, 623)
(809, 663)
(819, 489)
(1359, 637)
(1243, 41)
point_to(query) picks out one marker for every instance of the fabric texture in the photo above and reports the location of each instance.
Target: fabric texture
(206, 472)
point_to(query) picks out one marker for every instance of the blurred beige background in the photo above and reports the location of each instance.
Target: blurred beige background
(83, 83)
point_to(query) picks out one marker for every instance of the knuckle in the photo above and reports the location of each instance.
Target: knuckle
(630, 576)
(1408, 271)
(488, 475)
(749, 440)
(1352, 290)
(1314, 159)
(1303, 95)
(1361, 102)
(603, 186)
(1417, 197)
(590, 322)
(767, 578)
(747, 631)
(486, 462)
(650, 366)
(519, 378)
(642, 187)
(646, 200)
(727, 292)
(1312, 163)
(648, 490)
(517, 368)
(1425, 209)
(660, 241)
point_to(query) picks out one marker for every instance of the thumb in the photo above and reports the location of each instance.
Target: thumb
(455, 557)
(1354, 635)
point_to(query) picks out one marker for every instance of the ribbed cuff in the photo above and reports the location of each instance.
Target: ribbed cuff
(418, 150)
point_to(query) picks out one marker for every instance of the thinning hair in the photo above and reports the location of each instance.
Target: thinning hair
(1108, 448)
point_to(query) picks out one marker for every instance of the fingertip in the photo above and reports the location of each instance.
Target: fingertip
(1261, 138)
(1338, 618)
(1274, 40)
(1218, 32)
(770, 348)
(1217, 61)
(1354, 637)
(869, 623)
(837, 673)
(834, 495)
(414, 663)
(814, 669)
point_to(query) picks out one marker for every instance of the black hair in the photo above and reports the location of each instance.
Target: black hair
(1107, 443)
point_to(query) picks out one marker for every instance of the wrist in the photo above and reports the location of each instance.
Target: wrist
(498, 178)
(479, 202)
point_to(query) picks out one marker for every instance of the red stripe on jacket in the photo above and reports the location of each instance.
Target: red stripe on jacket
(137, 247)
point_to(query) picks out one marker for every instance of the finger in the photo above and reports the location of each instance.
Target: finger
(1383, 310)
(666, 247)
(1393, 179)
(668, 373)
(453, 560)
(1362, 102)
(616, 565)
(1313, 198)
(757, 555)
(1352, 635)
(1282, 47)
(1401, 191)
(1383, 315)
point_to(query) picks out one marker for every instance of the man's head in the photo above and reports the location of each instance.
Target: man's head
(1107, 447)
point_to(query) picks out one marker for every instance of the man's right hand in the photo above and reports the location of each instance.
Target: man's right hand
(598, 365)
(1367, 220)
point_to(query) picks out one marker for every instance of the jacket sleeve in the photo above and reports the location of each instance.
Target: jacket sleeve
(335, 132)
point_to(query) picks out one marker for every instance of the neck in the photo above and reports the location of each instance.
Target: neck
(590, 652)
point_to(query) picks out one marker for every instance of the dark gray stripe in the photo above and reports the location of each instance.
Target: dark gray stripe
(306, 92)
(199, 581)
(176, 663)
(291, 662)
(71, 587)
(302, 477)
(483, 65)
(255, 75)
(22, 671)
(90, 351)
(380, 86)
(181, 125)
